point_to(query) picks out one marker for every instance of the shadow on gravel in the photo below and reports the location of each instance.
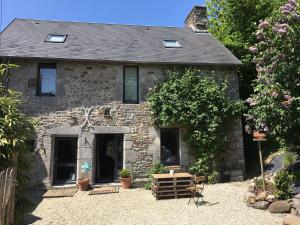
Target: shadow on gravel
(205, 203)
(34, 197)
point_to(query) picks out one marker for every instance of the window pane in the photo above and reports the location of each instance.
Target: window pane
(131, 85)
(56, 38)
(48, 80)
(172, 44)
(169, 146)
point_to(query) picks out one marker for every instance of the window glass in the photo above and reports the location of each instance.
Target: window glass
(172, 44)
(169, 138)
(56, 38)
(47, 79)
(131, 85)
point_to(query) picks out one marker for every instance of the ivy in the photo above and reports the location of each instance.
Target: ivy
(198, 104)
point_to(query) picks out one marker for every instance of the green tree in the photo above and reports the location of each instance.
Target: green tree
(234, 24)
(16, 129)
(275, 103)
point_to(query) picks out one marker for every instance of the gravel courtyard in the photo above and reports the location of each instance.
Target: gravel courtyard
(137, 206)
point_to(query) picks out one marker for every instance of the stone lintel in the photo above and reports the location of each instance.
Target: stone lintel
(64, 131)
(110, 130)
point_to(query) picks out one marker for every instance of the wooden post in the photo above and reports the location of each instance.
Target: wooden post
(259, 137)
(11, 206)
(2, 188)
(261, 165)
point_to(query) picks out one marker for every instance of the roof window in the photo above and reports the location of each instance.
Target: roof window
(56, 38)
(172, 44)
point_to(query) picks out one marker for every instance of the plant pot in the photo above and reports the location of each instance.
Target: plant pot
(126, 183)
(83, 184)
(259, 135)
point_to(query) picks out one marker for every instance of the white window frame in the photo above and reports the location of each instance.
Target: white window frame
(63, 36)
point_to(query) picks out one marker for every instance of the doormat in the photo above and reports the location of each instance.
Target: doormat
(60, 192)
(104, 190)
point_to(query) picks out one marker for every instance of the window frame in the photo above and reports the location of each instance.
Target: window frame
(47, 39)
(178, 144)
(47, 66)
(137, 88)
(172, 40)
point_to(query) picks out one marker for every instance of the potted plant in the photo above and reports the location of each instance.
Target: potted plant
(125, 178)
(83, 181)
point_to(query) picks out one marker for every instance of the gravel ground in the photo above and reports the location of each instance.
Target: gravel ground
(137, 206)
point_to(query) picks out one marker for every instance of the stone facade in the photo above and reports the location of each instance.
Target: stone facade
(100, 85)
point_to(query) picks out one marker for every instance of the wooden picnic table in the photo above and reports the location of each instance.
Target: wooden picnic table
(171, 186)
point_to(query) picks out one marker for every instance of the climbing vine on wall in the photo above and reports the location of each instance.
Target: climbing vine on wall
(198, 104)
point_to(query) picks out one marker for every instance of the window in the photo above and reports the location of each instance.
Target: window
(47, 79)
(131, 85)
(169, 145)
(172, 44)
(56, 38)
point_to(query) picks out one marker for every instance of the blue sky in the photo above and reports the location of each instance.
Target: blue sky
(141, 12)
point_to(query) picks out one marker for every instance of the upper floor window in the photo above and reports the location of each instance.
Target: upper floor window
(56, 38)
(172, 44)
(131, 85)
(47, 79)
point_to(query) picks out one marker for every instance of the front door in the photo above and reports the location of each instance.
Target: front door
(65, 158)
(109, 157)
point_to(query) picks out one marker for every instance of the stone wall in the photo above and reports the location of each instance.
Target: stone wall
(98, 85)
(197, 18)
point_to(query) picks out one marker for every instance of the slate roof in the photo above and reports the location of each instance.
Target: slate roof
(24, 38)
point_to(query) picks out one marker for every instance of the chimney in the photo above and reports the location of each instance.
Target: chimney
(197, 19)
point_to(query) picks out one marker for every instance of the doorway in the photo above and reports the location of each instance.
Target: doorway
(169, 140)
(65, 160)
(109, 157)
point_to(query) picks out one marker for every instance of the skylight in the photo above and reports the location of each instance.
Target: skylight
(172, 44)
(56, 38)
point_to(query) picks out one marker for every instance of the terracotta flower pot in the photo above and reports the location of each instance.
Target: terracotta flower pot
(126, 183)
(83, 184)
(259, 135)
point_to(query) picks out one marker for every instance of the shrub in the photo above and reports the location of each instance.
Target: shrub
(124, 173)
(213, 177)
(289, 158)
(258, 184)
(200, 167)
(283, 184)
(156, 168)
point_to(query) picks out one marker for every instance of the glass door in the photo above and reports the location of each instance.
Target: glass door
(65, 160)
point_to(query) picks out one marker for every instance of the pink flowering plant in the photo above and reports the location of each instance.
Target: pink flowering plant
(274, 107)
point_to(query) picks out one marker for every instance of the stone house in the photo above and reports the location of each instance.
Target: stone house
(86, 83)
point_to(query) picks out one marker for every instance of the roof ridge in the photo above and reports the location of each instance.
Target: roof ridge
(117, 24)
